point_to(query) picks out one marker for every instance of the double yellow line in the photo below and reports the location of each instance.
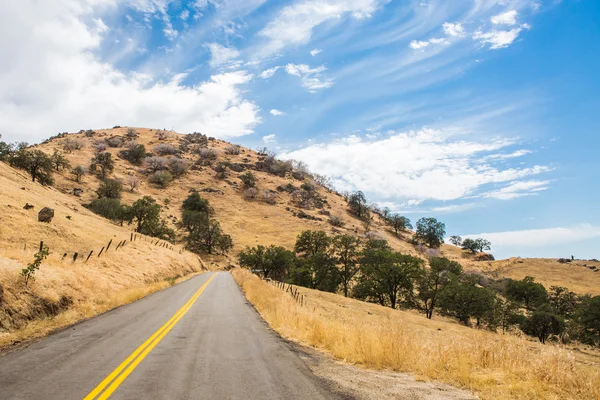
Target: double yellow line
(103, 390)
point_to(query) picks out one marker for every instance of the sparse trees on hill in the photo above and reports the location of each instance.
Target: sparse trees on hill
(430, 232)
(527, 292)
(456, 240)
(398, 223)
(476, 245)
(103, 163)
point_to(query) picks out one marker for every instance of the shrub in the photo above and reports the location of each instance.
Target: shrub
(162, 135)
(110, 188)
(233, 150)
(155, 164)
(268, 196)
(221, 169)
(114, 142)
(178, 166)
(193, 142)
(107, 208)
(335, 220)
(104, 163)
(206, 156)
(161, 178)
(134, 153)
(100, 147)
(70, 145)
(131, 133)
(133, 183)
(78, 172)
(165, 149)
(250, 193)
(29, 272)
(248, 179)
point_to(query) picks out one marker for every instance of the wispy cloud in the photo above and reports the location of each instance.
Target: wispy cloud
(269, 138)
(276, 113)
(507, 18)
(518, 189)
(268, 73)
(221, 55)
(311, 78)
(314, 52)
(540, 237)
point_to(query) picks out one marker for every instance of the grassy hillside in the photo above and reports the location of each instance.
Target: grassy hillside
(256, 222)
(494, 366)
(64, 291)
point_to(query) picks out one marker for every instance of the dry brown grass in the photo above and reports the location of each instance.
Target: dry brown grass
(65, 292)
(492, 365)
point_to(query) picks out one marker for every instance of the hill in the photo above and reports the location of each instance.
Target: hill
(65, 289)
(252, 222)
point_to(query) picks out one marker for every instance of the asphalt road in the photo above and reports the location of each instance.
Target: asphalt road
(165, 346)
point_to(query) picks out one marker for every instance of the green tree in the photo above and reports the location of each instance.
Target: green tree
(196, 203)
(5, 150)
(206, 239)
(587, 316)
(433, 280)
(543, 322)
(465, 299)
(358, 205)
(59, 161)
(399, 223)
(476, 245)
(431, 232)
(135, 154)
(456, 240)
(346, 250)
(145, 214)
(527, 292)
(386, 276)
(110, 188)
(37, 163)
(103, 163)
(273, 261)
(78, 172)
(563, 301)
(310, 243)
(317, 271)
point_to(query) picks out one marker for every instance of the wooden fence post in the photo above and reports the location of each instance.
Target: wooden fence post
(101, 250)
(75, 257)
(41, 246)
(108, 246)
(88, 257)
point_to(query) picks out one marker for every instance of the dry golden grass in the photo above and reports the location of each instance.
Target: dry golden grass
(65, 292)
(493, 366)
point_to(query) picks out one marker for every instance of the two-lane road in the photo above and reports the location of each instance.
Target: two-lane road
(196, 340)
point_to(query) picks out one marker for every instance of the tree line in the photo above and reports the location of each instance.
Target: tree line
(371, 270)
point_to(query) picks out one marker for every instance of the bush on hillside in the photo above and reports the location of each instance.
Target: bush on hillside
(165, 149)
(178, 166)
(110, 188)
(161, 178)
(135, 153)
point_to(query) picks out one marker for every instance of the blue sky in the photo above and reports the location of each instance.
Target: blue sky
(483, 113)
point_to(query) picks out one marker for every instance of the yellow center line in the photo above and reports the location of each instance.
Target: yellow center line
(118, 376)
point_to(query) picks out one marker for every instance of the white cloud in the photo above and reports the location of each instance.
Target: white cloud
(185, 14)
(276, 113)
(269, 138)
(514, 154)
(50, 81)
(314, 52)
(540, 237)
(294, 23)
(418, 44)
(222, 56)
(268, 73)
(451, 29)
(498, 39)
(518, 189)
(311, 77)
(412, 166)
(507, 18)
